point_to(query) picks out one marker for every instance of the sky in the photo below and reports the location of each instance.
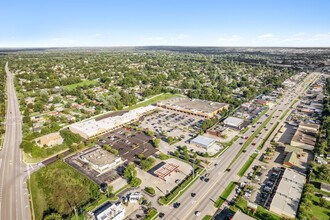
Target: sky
(67, 23)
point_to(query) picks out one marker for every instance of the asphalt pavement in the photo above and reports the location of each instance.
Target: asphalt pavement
(208, 192)
(14, 196)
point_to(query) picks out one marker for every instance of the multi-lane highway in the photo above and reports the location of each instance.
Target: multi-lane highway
(208, 192)
(14, 200)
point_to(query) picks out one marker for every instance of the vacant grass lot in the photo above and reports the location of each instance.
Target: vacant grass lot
(83, 83)
(317, 211)
(59, 188)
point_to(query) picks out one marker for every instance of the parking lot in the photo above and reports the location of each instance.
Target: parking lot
(285, 134)
(259, 185)
(108, 177)
(129, 143)
(180, 125)
(171, 123)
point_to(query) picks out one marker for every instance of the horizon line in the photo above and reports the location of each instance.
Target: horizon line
(124, 46)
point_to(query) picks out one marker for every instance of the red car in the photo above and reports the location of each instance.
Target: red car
(254, 143)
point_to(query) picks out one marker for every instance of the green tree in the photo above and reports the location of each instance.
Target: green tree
(53, 216)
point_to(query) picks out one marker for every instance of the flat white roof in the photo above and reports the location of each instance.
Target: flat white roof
(288, 193)
(233, 121)
(203, 141)
(93, 127)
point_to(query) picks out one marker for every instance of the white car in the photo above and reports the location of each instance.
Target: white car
(197, 213)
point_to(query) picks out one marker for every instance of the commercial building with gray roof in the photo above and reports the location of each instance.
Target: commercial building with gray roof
(202, 108)
(286, 199)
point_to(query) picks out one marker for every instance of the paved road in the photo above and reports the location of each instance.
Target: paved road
(14, 200)
(207, 193)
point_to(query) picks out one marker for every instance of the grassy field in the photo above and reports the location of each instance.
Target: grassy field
(154, 100)
(317, 211)
(222, 198)
(58, 187)
(247, 164)
(83, 83)
(27, 158)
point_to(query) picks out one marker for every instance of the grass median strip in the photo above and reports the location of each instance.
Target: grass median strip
(267, 136)
(207, 217)
(284, 114)
(294, 102)
(247, 164)
(248, 142)
(222, 198)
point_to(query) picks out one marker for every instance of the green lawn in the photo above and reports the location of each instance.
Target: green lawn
(222, 198)
(153, 100)
(247, 164)
(83, 83)
(317, 211)
(48, 152)
(57, 186)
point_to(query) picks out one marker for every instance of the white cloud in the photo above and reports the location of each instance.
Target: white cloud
(265, 37)
(232, 38)
(181, 37)
(156, 38)
(321, 37)
(168, 40)
(295, 38)
(299, 34)
(62, 41)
